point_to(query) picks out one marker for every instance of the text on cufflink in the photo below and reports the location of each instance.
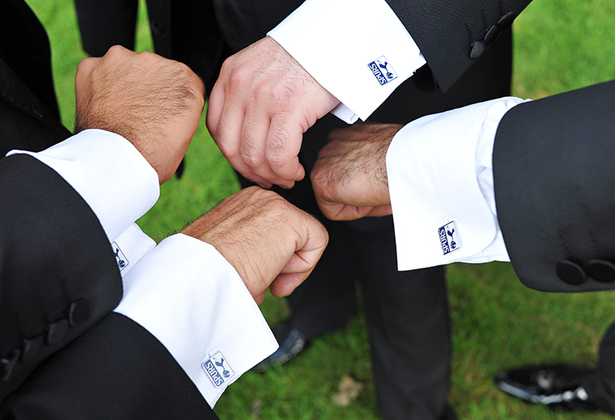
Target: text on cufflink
(382, 70)
(449, 239)
(218, 369)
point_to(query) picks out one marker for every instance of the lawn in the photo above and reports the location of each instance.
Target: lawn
(497, 322)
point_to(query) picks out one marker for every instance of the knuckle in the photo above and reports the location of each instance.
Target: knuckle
(86, 65)
(282, 97)
(252, 161)
(239, 77)
(227, 65)
(182, 70)
(277, 161)
(115, 51)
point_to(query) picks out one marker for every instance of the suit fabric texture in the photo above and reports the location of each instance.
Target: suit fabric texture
(406, 312)
(467, 45)
(553, 179)
(63, 354)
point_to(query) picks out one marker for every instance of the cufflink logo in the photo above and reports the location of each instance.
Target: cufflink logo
(382, 70)
(448, 238)
(218, 369)
(120, 258)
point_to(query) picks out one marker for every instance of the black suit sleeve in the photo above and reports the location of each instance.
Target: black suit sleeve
(453, 34)
(116, 370)
(58, 274)
(555, 189)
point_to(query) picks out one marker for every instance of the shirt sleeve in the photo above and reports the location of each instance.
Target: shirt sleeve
(182, 291)
(194, 302)
(440, 176)
(360, 51)
(109, 173)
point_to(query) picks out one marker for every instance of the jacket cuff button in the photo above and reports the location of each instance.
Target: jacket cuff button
(492, 34)
(78, 312)
(31, 347)
(7, 365)
(506, 20)
(570, 272)
(601, 271)
(56, 331)
(478, 47)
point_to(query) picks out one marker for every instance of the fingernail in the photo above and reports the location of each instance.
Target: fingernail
(263, 186)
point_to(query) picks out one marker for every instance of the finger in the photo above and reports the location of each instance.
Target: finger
(227, 138)
(381, 211)
(283, 145)
(285, 283)
(214, 107)
(253, 138)
(260, 298)
(353, 213)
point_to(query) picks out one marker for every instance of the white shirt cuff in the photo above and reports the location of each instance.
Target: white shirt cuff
(194, 302)
(130, 247)
(108, 172)
(345, 45)
(441, 187)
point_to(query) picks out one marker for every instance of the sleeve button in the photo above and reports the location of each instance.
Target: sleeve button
(78, 312)
(570, 272)
(56, 331)
(601, 271)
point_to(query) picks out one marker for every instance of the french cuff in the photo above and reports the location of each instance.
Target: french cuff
(130, 247)
(358, 50)
(440, 213)
(108, 172)
(194, 302)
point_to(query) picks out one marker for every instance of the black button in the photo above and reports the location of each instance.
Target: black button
(570, 272)
(78, 312)
(506, 20)
(8, 365)
(31, 346)
(601, 270)
(56, 331)
(478, 47)
(492, 34)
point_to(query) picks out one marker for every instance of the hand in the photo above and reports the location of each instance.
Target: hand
(153, 102)
(270, 242)
(259, 109)
(350, 176)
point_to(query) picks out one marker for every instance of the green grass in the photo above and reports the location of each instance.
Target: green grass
(497, 322)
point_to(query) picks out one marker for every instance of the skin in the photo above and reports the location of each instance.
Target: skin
(271, 243)
(156, 104)
(259, 109)
(350, 177)
(153, 102)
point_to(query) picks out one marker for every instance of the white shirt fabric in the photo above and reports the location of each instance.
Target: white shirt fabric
(440, 171)
(350, 35)
(182, 291)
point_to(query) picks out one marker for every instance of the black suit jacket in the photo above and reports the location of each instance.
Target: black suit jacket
(453, 34)
(554, 189)
(63, 353)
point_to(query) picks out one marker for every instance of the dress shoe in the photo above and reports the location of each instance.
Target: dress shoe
(292, 342)
(557, 387)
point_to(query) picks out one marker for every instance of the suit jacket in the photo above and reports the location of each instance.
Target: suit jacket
(63, 354)
(554, 183)
(452, 35)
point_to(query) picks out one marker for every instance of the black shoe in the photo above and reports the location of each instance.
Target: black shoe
(554, 386)
(292, 342)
